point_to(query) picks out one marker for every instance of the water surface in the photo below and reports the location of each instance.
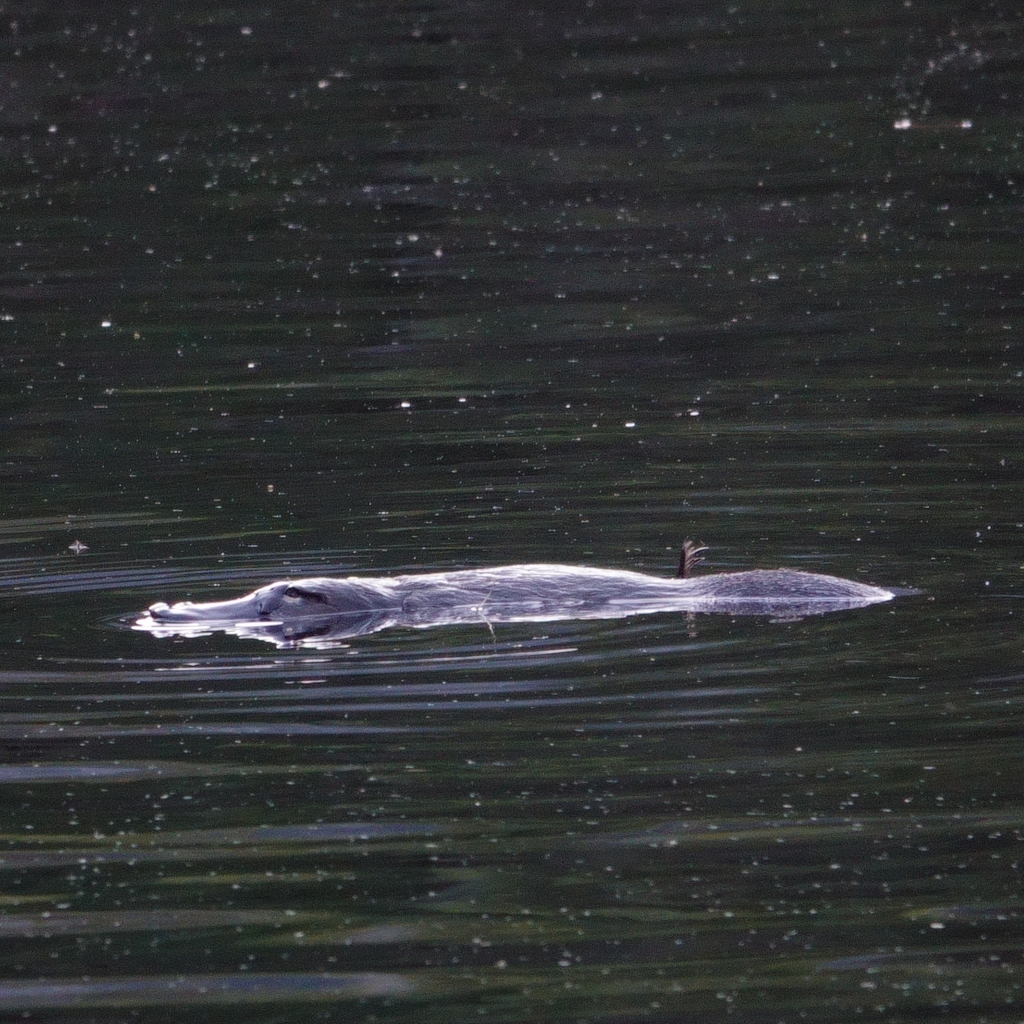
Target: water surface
(394, 287)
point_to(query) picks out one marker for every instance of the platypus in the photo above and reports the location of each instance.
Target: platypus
(316, 611)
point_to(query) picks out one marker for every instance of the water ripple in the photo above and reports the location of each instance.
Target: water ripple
(176, 990)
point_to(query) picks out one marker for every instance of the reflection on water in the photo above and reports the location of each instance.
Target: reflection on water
(203, 989)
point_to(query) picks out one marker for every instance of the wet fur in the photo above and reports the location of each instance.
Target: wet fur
(331, 607)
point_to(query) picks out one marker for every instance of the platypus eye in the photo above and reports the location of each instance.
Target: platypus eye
(297, 593)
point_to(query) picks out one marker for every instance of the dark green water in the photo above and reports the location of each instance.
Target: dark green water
(379, 287)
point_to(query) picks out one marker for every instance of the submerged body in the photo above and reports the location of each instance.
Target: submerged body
(316, 612)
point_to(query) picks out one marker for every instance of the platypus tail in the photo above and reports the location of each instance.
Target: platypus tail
(689, 558)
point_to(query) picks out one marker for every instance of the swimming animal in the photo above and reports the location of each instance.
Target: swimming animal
(319, 612)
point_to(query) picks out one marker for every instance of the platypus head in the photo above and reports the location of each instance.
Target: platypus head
(282, 602)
